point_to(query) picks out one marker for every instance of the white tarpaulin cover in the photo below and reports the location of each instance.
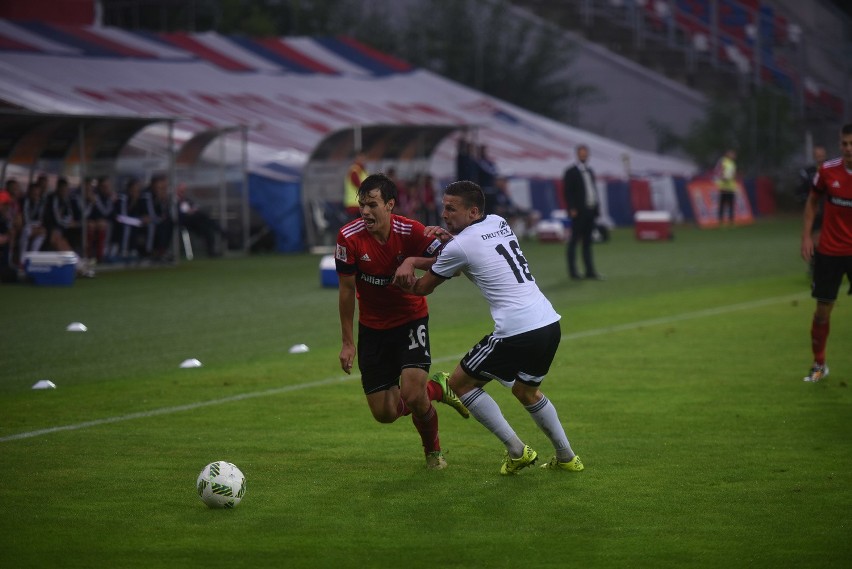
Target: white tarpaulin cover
(290, 92)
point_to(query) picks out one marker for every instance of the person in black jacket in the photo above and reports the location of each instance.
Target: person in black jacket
(581, 199)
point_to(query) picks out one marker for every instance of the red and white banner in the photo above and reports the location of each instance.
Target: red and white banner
(704, 196)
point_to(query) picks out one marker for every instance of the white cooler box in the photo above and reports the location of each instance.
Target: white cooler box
(51, 268)
(653, 225)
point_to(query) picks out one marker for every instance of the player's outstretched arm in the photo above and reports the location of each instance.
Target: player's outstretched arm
(404, 276)
(426, 284)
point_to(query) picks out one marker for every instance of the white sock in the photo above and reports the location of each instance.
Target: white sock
(485, 410)
(544, 414)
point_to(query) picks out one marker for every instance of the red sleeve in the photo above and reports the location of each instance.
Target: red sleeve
(423, 246)
(354, 178)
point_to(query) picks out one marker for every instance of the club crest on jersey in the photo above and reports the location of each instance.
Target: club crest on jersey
(340, 253)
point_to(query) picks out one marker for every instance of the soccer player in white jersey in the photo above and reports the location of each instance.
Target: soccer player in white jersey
(526, 327)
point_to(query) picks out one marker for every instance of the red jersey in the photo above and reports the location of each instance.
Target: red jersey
(381, 304)
(834, 182)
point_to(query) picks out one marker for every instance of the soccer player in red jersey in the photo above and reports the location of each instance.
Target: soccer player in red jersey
(393, 325)
(833, 255)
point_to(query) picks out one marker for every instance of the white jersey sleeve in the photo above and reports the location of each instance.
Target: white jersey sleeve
(489, 254)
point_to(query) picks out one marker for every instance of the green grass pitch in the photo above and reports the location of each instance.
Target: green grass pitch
(679, 381)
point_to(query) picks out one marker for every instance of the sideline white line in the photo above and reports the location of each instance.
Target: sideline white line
(576, 335)
(686, 316)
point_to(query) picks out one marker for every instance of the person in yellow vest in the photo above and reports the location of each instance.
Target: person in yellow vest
(356, 174)
(726, 181)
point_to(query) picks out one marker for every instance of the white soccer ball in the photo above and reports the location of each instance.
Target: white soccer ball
(221, 485)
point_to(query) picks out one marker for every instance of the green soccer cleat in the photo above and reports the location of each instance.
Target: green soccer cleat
(448, 396)
(514, 465)
(573, 465)
(435, 460)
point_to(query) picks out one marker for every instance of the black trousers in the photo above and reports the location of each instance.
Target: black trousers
(582, 227)
(726, 202)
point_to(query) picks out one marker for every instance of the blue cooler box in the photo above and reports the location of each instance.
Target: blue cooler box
(328, 272)
(51, 268)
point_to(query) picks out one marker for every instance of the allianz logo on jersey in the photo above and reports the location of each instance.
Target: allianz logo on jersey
(504, 231)
(376, 280)
(842, 202)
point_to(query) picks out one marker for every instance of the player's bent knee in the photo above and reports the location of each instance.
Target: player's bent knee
(526, 394)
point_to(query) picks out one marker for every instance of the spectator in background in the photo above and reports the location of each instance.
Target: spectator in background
(509, 210)
(407, 203)
(355, 176)
(161, 226)
(832, 256)
(13, 188)
(43, 183)
(132, 217)
(581, 199)
(806, 174)
(465, 161)
(33, 231)
(726, 183)
(8, 273)
(426, 210)
(101, 218)
(82, 204)
(803, 189)
(62, 219)
(16, 199)
(487, 175)
(197, 221)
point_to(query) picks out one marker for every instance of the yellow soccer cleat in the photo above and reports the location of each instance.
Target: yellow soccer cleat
(573, 465)
(449, 397)
(514, 465)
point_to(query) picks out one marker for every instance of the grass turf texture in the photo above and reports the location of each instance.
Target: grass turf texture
(678, 380)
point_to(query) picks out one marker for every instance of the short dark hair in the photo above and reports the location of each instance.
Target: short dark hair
(381, 182)
(470, 193)
(846, 129)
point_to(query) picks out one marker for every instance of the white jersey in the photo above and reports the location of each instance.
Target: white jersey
(488, 253)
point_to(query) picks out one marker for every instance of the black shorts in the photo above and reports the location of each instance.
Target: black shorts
(525, 357)
(828, 274)
(383, 354)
